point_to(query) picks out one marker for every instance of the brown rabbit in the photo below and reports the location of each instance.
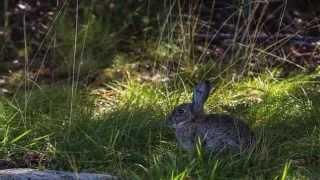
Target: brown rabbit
(216, 132)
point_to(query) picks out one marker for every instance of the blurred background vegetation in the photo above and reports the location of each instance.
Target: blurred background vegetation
(56, 40)
(52, 39)
(85, 85)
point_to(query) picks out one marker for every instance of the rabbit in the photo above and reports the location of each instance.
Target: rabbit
(216, 132)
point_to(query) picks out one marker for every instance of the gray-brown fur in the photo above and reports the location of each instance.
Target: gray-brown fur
(216, 132)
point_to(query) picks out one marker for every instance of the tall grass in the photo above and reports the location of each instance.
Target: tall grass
(128, 138)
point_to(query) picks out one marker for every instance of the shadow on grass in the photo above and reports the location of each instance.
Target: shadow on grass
(130, 140)
(76, 139)
(288, 127)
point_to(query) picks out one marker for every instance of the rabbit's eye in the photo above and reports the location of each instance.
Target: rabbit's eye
(181, 111)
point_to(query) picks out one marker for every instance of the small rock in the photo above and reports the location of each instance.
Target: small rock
(34, 174)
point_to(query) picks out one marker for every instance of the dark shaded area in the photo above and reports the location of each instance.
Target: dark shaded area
(38, 38)
(38, 43)
(272, 33)
(28, 20)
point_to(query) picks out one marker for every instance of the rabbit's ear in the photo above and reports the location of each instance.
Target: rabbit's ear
(200, 95)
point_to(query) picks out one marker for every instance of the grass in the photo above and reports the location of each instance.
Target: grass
(130, 140)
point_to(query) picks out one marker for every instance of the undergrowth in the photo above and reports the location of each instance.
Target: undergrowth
(130, 139)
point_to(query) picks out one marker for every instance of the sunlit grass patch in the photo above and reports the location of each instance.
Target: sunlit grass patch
(282, 120)
(129, 139)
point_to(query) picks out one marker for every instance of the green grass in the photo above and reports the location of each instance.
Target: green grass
(130, 140)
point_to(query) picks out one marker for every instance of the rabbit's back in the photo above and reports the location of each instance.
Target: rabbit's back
(220, 131)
